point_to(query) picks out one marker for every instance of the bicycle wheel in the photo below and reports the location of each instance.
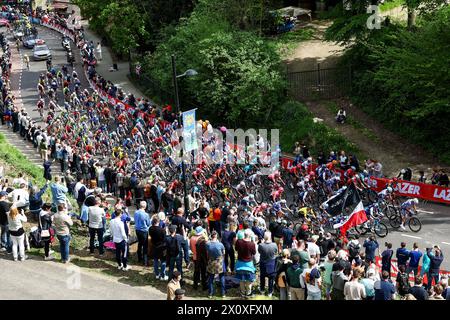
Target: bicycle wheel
(414, 224)
(395, 221)
(390, 211)
(381, 229)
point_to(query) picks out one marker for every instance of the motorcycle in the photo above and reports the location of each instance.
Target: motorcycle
(65, 42)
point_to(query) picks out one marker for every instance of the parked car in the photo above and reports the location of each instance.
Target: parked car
(41, 52)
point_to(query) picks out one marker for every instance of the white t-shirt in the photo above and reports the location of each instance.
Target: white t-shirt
(354, 290)
(313, 249)
(101, 174)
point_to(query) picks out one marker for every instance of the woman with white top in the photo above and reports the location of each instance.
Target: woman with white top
(15, 220)
(120, 239)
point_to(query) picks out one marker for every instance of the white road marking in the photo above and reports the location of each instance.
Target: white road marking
(407, 235)
(445, 243)
(424, 211)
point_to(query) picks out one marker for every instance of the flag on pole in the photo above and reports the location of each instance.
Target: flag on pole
(189, 131)
(352, 209)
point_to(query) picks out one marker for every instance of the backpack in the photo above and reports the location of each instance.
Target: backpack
(403, 284)
(172, 246)
(36, 238)
(353, 249)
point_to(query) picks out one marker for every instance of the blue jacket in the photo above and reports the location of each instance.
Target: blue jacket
(414, 258)
(370, 246)
(402, 256)
(141, 221)
(36, 199)
(58, 193)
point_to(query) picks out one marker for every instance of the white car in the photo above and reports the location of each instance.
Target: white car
(41, 52)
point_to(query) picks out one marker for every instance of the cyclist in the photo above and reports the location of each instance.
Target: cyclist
(26, 60)
(250, 199)
(254, 177)
(40, 106)
(405, 209)
(385, 193)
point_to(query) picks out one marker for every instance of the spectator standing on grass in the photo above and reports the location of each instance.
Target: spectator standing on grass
(158, 237)
(353, 289)
(120, 240)
(281, 276)
(267, 265)
(216, 252)
(46, 221)
(311, 278)
(229, 240)
(183, 227)
(96, 215)
(58, 192)
(16, 218)
(369, 284)
(197, 240)
(384, 288)
(4, 230)
(328, 269)
(245, 270)
(174, 255)
(62, 223)
(142, 224)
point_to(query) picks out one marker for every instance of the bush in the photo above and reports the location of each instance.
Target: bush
(296, 124)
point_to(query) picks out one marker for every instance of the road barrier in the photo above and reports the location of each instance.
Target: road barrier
(429, 192)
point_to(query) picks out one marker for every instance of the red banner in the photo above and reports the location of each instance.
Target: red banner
(412, 189)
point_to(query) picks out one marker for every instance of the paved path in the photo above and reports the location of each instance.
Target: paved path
(34, 279)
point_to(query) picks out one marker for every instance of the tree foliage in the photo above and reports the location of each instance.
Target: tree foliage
(403, 78)
(239, 74)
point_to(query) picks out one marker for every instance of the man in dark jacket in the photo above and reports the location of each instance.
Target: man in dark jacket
(4, 208)
(402, 255)
(418, 291)
(157, 237)
(435, 264)
(371, 246)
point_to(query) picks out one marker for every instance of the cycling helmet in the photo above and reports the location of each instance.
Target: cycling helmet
(335, 162)
(280, 189)
(244, 203)
(283, 201)
(389, 189)
(251, 196)
(402, 171)
(304, 227)
(416, 201)
(227, 204)
(283, 222)
(264, 205)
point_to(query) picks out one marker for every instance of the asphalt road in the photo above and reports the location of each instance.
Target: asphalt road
(435, 230)
(35, 279)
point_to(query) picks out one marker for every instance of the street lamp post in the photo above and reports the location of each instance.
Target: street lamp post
(188, 73)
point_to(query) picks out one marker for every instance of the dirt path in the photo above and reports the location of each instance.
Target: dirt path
(371, 137)
(377, 142)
